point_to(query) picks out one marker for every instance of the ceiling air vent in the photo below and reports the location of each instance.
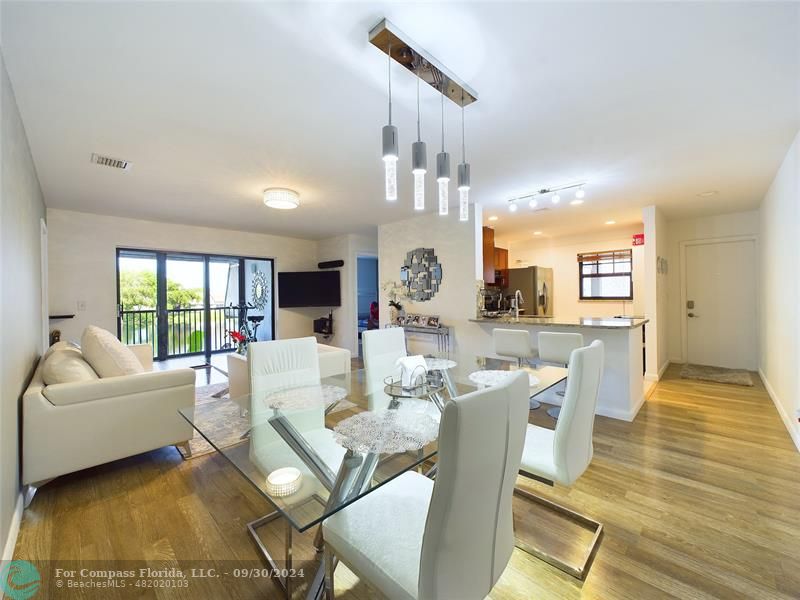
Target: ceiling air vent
(114, 163)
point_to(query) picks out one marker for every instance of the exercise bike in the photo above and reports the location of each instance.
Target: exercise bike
(245, 321)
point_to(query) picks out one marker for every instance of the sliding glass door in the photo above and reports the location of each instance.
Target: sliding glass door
(186, 304)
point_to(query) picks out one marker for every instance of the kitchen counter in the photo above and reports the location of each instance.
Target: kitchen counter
(622, 387)
(591, 322)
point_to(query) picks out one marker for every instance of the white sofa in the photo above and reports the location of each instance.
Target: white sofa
(71, 426)
(332, 361)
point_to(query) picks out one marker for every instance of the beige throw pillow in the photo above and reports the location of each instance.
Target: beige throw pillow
(107, 355)
(66, 365)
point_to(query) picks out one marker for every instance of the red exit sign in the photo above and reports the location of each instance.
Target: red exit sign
(638, 239)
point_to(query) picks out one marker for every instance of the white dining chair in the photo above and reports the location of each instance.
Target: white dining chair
(517, 344)
(274, 366)
(381, 349)
(414, 538)
(556, 348)
(563, 455)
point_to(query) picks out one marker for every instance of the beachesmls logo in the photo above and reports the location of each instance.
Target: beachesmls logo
(19, 580)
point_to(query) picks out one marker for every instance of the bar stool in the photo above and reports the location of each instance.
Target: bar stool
(557, 348)
(516, 343)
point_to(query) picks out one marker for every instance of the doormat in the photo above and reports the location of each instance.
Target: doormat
(717, 374)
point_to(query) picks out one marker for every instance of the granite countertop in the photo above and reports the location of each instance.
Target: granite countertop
(593, 322)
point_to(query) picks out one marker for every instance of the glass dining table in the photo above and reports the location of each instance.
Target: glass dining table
(312, 450)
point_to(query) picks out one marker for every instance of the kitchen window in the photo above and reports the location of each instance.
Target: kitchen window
(606, 275)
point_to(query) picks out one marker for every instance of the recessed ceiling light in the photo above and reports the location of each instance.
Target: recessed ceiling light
(611, 222)
(576, 202)
(281, 198)
(537, 233)
(493, 218)
(708, 193)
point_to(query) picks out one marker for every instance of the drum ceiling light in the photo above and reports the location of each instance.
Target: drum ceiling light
(281, 198)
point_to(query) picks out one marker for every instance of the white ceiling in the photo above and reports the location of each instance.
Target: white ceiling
(212, 102)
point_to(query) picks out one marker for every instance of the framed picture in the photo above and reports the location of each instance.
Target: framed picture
(400, 320)
(413, 320)
(433, 321)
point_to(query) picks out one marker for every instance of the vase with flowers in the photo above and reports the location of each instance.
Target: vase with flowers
(396, 292)
(240, 341)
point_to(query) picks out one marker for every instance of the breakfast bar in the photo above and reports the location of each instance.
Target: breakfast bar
(622, 388)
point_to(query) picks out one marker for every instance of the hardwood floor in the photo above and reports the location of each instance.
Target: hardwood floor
(700, 498)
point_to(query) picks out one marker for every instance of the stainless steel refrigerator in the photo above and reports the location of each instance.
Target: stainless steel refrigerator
(536, 285)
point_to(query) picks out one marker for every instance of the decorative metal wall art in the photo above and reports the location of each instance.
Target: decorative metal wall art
(422, 274)
(260, 290)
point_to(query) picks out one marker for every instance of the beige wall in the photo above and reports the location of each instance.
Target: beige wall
(655, 292)
(561, 253)
(345, 318)
(20, 288)
(779, 358)
(703, 228)
(82, 263)
(455, 245)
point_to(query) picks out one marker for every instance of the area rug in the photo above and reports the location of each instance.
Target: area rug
(717, 374)
(219, 417)
(223, 422)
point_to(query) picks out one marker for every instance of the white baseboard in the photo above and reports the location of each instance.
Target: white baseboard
(663, 368)
(623, 415)
(13, 531)
(787, 420)
(660, 374)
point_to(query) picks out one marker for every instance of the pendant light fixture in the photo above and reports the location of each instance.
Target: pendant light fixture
(443, 168)
(419, 162)
(385, 36)
(390, 146)
(463, 174)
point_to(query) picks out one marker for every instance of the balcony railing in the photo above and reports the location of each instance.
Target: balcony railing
(186, 332)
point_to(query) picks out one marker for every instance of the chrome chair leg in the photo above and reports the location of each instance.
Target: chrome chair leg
(580, 570)
(328, 559)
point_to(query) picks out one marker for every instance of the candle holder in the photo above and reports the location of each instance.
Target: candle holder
(284, 482)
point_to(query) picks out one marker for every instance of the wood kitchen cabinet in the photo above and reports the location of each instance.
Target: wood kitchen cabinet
(500, 259)
(500, 267)
(488, 256)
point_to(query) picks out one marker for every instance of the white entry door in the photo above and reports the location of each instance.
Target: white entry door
(720, 311)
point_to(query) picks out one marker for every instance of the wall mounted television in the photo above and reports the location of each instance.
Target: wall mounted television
(309, 288)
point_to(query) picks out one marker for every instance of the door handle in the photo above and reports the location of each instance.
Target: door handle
(692, 315)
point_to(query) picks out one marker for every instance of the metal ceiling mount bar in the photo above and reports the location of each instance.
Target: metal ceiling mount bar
(545, 191)
(390, 40)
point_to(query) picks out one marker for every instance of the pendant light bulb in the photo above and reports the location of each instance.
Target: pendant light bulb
(443, 179)
(512, 207)
(463, 174)
(419, 163)
(556, 198)
(463, 192)
(390, 147)
(533, 203)
(443, 170)
(580, 193)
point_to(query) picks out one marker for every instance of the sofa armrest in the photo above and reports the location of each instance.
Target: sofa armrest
(61, 394)
(144, 352)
